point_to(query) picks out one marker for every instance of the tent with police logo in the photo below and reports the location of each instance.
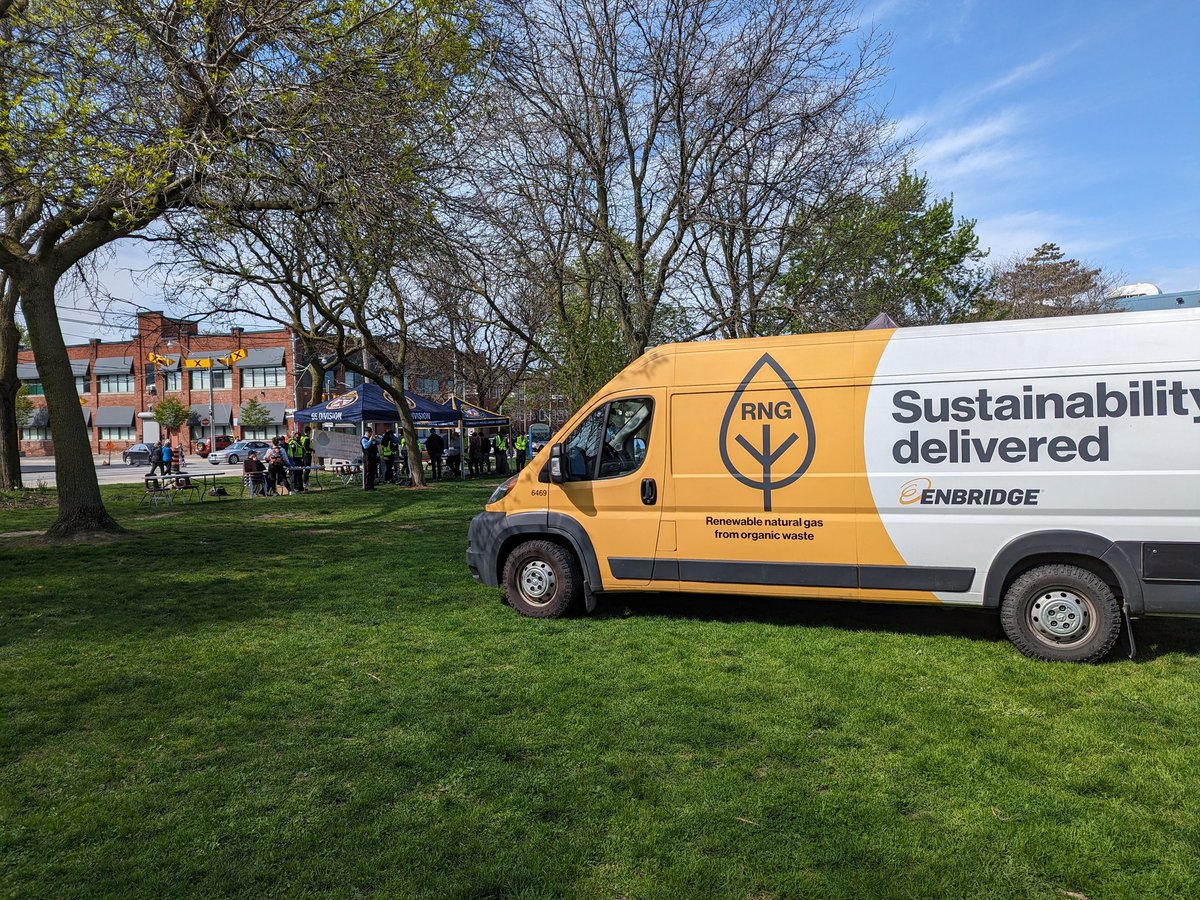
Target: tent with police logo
(368, 403)
(476, 416)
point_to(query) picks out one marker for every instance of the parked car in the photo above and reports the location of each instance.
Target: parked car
(236, 452)
(200, 448)
(137, 455)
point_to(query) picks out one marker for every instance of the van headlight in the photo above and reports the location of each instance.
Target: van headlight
(502, 491)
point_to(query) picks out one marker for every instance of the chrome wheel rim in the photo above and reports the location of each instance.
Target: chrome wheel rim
(537, 582)
(1061, 617)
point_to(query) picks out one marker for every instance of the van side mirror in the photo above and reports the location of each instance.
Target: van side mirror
(557, 475)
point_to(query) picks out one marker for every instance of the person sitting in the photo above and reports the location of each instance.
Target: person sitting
(255, 474)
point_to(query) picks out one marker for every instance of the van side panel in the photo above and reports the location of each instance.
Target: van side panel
(979, 436)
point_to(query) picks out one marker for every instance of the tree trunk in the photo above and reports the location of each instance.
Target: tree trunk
(10, 432)
(80, 508)
(316, 391)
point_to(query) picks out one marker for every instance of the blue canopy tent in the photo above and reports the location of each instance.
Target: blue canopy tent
(368, 403)
(476, 416)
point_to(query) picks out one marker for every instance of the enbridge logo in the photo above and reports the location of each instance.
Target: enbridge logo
(767, 429)
(920, 491)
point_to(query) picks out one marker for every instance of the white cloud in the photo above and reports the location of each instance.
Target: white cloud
(1020, 233)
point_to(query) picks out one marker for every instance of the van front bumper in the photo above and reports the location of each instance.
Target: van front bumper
(484, 538)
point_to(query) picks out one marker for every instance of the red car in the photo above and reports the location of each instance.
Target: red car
(200, 447)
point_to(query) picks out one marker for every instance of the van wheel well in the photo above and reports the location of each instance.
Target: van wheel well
(511, 543)
(1098, 568)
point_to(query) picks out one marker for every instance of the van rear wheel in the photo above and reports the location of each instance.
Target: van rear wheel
(542, 580)
(1061, 613)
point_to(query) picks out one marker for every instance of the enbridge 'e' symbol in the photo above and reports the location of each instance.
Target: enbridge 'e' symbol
(765, 446)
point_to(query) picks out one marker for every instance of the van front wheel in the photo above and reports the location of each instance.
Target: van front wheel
(1061, 613)
(541, 580)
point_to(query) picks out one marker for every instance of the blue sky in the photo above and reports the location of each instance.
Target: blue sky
(1072, 122)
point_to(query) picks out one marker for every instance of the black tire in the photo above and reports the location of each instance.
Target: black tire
(542, 580)
(232, 459)
(1061, 613)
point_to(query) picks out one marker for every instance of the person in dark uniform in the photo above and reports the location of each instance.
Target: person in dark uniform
(370, 459)
(434, 445)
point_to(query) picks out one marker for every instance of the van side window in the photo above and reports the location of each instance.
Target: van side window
(610, 442)
(582, 448)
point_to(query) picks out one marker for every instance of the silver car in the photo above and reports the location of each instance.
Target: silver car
(237, 451)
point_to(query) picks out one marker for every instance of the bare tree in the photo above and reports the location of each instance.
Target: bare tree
(115, 113)
(674, 139)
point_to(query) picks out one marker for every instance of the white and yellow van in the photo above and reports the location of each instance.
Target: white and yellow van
(1048, 468)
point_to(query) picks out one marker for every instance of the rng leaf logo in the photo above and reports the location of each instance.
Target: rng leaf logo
(765, 438)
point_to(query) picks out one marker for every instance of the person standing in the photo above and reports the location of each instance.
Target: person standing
(454, 456)
(306, 458)
(277, 468)
(522, 445)
(165, 456)
(434, 446)
(295, 450)
(387, 452)
(156, 457)
(475, 454)
(500, 445)
(370, 459)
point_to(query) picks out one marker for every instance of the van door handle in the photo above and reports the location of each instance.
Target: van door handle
(649, 492)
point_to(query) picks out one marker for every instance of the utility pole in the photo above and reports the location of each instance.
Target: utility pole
(207, 363)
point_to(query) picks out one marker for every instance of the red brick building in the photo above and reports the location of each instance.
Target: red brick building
(119, 385)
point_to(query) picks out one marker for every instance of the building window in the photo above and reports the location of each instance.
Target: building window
(264, 378)
(118, 434)
(34, 388)
(35, 434)
(198, 378)
(81, 384)
(427, 385)
(114, 384)
(263, 434)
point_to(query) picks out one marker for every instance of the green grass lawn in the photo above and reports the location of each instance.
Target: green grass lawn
(311, 696)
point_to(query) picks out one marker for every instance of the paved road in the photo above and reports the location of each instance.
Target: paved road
(41, 469)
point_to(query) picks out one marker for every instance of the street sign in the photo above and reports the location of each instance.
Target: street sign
(233, 357)
(204, 421)
(198, 363)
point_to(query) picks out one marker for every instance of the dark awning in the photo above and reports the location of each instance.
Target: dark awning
(277, 412)
(114, 416)
(79, 367)
(262, 358)
(221, 412)
(27, 371)
(113, 365)
(87, 417)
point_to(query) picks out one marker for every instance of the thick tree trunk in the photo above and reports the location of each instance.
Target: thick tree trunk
(80, 508)
(10, 431)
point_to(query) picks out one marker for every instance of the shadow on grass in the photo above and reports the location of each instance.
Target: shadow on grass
(1155, 637)
(234, 562)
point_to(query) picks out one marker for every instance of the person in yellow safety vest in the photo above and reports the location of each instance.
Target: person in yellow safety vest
(306, 460)
(500, 445)
(521, 442)
(387, 452)
(295, 449)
